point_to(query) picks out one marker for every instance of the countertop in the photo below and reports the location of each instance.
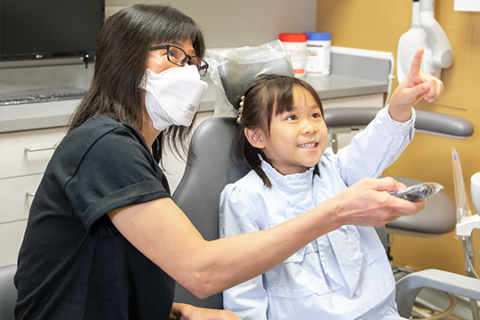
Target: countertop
(349, 78)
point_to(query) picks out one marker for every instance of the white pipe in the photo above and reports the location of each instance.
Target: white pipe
(437, 40)
(427, 5)
(415, 14)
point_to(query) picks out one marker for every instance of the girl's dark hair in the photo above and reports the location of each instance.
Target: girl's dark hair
(121, 58)
(267, 94)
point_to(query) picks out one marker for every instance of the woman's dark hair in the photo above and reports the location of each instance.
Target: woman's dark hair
(121, 58)
(267, 94)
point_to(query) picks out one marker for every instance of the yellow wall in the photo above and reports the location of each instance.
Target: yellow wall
(378, 25)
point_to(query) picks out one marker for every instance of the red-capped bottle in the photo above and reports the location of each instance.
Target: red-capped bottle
(296, 44)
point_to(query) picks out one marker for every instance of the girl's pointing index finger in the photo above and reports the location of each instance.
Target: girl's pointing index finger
(416, 63)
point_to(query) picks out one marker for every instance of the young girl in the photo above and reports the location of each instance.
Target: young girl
(282, 136)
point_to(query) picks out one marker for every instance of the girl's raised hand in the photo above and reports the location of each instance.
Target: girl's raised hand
(416, 86)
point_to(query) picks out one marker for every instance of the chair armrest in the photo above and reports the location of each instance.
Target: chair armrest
(426, 122)
(410, 286)
(443, 125)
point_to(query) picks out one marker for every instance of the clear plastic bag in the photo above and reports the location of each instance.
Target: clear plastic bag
(418, 192)
(463, 208)
(232, 71)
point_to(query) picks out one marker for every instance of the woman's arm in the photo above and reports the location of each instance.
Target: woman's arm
(162, 232)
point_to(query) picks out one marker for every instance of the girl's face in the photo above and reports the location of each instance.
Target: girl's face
(297, 138)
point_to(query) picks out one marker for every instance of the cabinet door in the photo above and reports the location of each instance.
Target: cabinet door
(11, 237)
(27, 152)
(16, 195)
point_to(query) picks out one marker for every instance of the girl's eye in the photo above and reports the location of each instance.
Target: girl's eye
(292, 117)
(316, 115)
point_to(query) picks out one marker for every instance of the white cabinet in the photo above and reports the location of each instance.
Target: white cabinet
(16, 195)
(11, 236)
(24, 156)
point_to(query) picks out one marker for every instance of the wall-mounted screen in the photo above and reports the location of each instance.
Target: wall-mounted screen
(47, 29)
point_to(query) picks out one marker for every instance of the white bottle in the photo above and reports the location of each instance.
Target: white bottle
(318, 53)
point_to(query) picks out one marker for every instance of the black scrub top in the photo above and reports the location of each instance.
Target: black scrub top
(73, 263)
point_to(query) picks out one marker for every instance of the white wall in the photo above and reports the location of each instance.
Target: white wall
(236, 23)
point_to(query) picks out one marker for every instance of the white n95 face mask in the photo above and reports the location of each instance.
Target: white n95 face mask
(173, 96)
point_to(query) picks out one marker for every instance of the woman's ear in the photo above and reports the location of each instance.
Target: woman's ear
(256, 137)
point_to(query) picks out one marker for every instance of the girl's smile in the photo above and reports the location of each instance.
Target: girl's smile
(297, 138)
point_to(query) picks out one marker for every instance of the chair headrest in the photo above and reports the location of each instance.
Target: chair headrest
(236, 77)
(238, 67)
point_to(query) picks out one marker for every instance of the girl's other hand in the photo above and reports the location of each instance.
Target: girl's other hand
(181, 311)
(416, 86)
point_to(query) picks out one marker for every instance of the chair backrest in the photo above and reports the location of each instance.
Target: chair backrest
(8, 292)
(209, 169)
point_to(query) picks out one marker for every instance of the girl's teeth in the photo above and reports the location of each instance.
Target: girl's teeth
(307, 145)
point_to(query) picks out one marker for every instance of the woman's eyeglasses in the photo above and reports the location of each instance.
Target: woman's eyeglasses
(178, 57)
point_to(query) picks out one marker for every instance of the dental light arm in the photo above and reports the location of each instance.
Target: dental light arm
(427, 33)
(442, 54)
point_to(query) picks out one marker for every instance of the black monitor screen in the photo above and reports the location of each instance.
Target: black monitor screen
(34, 29)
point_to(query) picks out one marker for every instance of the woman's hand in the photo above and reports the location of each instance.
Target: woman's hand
(363, 205)
(181, 311)
(416, 86)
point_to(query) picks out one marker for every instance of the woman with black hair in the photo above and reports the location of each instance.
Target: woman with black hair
(104, 239)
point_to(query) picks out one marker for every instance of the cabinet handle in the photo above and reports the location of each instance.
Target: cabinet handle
(42, 148)
(31, 194)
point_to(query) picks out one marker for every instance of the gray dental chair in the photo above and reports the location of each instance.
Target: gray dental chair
(8, 292)
(207, 172)
(211, 168)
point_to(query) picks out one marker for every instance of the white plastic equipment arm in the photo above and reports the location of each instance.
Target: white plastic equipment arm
(440, 46)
